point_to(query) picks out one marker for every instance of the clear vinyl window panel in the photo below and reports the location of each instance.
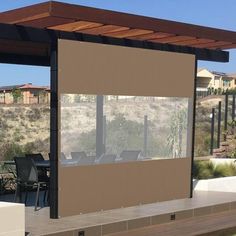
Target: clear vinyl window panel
(123, 128)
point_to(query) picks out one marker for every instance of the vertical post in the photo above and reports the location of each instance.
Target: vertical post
(104, 134)
(212, 130)
(54, 133)
(145, 135)
(99, 126)
(193, 126)
(226, 111)
(233, 107)
(219, 125)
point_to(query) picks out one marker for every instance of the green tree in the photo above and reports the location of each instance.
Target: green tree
(16, 94)
(178, 124)
(123, 134)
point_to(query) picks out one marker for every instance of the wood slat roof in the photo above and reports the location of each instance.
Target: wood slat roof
(75, 18)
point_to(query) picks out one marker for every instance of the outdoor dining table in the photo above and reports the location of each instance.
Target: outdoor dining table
(43, 164)
(39, 164)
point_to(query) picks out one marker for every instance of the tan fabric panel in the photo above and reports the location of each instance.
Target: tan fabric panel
(100, 187)
(90, 68)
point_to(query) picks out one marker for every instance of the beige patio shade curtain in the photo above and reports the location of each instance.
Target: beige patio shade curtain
(97, 69)
(91, 68)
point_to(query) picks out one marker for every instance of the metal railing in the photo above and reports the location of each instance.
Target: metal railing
(217, 117)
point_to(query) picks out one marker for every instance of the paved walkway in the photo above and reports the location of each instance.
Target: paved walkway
(119, 220)
(220, 224)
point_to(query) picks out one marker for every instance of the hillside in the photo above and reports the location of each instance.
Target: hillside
(125, 125)
(23, 128)
(27, 128)
(203, 123)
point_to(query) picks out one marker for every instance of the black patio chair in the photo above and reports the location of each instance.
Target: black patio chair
(86, 160)
(76, 156)
(106, 159)
(35, 156)
(27, 177)
(130, 155)
(42, 173)
(63, 156)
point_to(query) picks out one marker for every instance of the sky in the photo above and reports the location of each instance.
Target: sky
(212, 13)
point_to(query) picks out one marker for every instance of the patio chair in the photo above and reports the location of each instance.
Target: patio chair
(27, 177)
(106, 159)
(42, 173)
(64, 160)
(130, 155)
(86, 160)
(63, 156)
(76, 156)
(35, 156)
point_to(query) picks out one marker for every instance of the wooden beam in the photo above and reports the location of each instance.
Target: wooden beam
(139, 22)
(128, 33)
(33, 15)
(104, 29)
(28, 34)
(26, 13)
(173, 39)
(76, 26)
(45, 22)
(216, 44)
(193, 41)
(156, 35)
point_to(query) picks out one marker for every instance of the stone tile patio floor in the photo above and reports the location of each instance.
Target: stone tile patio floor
(117, 220)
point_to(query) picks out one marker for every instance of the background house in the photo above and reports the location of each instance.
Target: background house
(24, 94)
(213, 82)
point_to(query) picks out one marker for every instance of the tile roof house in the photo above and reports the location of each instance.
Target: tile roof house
(25, 94)
(214, 80)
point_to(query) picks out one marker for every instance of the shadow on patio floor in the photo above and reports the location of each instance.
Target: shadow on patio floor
(30, 198)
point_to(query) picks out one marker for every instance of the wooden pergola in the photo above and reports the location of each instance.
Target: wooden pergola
(32, 29)
(74, 18)
(29, 36)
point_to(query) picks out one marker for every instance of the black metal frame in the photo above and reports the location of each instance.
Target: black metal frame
(212, 130)
(99, 126)
(9, 58)
(233, 107)
(219, 124)
(226, 112)
(54, 132)
(50, 39)
(193, 128)
(145, 135)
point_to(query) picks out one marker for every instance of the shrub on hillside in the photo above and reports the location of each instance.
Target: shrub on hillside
(10, 150)
(207, 170)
